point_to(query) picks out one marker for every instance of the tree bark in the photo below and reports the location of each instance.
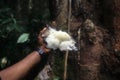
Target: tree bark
(93, 43)
(59, 11)
(91, 50)
(116, 24)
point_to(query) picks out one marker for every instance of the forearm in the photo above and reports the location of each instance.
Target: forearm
(25, 66)
(22, 68)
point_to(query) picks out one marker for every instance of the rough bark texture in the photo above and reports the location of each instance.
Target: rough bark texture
(91, 49)
(97, 59)
(59, 11)
(116, 23)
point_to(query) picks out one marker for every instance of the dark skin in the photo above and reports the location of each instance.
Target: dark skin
(21, 69)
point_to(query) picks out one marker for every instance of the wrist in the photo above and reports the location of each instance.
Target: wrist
(41, 52)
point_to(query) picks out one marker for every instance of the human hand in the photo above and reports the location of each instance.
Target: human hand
(41, 41)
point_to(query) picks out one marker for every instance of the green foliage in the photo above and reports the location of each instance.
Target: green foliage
(15, 43)
(15, 36)
(23, 38)
(8, 23)
(10, 29)
(16, 30)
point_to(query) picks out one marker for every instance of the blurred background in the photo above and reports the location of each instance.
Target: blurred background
(94, 24)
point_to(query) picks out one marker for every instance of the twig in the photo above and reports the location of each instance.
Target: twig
(66, 55)
(65, 65)
(79, 33)
(69, 15)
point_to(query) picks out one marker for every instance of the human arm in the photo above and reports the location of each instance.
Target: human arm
(21, 69)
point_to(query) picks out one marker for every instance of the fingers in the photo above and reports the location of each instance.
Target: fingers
(43, 30)
(41, 41)
(46, 50)
(41, 33)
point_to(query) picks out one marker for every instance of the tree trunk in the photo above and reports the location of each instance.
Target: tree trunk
(59, 11)
(94, 40)
(91, 50)
(116, 24)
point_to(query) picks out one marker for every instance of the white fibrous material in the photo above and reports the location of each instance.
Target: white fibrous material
(59, 40)
(67, 45)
